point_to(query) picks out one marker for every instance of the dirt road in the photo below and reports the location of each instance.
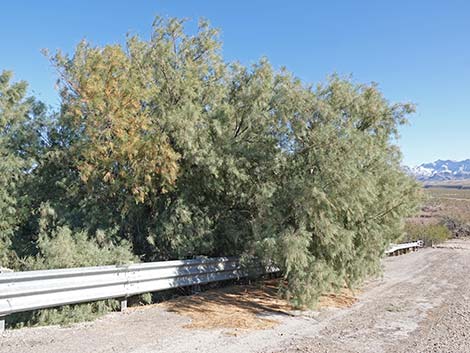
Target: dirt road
(422, 304)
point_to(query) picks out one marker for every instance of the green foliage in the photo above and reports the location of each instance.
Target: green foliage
(431, 234)
(162, 147)
(59, 247)
(63, 315)
(19, 121)
(12, 112)
(342, 192)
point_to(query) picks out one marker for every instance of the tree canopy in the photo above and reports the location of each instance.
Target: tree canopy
(161, 150)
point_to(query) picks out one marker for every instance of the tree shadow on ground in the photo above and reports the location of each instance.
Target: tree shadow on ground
(242, 306)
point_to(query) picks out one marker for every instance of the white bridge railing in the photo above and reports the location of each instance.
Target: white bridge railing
(31, 290)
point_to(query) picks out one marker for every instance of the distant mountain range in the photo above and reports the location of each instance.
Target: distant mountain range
(441, 170)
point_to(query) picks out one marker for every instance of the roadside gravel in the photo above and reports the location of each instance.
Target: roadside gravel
(421, 305)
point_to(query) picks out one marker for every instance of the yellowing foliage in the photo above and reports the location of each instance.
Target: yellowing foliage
(122, 147)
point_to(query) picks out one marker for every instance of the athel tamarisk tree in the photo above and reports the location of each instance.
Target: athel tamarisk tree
(162, 150)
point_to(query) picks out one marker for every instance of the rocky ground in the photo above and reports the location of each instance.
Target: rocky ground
(421, 304)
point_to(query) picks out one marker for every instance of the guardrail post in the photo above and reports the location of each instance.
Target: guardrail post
(2, 323)
(123, 302)
(195, 288)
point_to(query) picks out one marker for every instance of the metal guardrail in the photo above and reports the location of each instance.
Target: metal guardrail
(31, 290)
(404, 246)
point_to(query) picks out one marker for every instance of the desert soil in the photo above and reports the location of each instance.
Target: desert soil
(421, 304)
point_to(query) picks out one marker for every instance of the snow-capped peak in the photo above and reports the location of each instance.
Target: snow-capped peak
(441, 170)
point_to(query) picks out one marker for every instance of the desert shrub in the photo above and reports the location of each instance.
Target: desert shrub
(430, 233)
(457, 226)
(58, 246)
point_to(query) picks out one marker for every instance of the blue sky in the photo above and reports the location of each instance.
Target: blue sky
(417, 51)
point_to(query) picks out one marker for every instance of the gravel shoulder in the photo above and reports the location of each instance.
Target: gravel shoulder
(421, 304)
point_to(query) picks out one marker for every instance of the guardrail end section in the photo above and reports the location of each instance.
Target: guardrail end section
(2, 323)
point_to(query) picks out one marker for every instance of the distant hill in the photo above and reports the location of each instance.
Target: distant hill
(441, 170)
